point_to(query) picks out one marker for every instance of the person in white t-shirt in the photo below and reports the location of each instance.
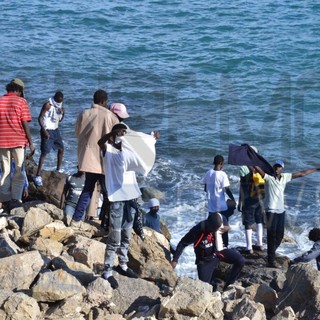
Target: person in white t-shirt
(51, 114)
(274, 205)
(216, 185)
(121, 162)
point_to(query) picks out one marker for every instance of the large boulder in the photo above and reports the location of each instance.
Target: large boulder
(99, 291)
(248, 309)
(51, 209)
(56, 285)
(263, 294)
(151, 258)
(48, 247)
(134, 294)
(88, 251)
(20, 306)
(34, 220)
(79, 270)
(53, 184)
(17, 272)
(193, 299)
(302, 291)
(56, 231)
(68, 308)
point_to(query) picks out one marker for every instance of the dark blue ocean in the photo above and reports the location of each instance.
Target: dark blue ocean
(205, 74)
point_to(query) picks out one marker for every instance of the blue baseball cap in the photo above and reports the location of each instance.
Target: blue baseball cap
(279, 163)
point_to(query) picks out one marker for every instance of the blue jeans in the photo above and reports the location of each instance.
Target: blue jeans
(86, 194)
(120, 229)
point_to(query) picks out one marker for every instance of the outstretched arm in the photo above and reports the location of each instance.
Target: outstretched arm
(304, 173)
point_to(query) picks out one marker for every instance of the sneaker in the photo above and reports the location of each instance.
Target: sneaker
(38, 181)
(128, 273)
(60, 170)
(247, 251)
(257, 248)
(113, 282)
(274, 264)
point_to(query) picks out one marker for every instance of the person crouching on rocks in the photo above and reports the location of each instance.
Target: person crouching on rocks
(202, 236)
(314, 252)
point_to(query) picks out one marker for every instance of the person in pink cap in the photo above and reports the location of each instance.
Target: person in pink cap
(120, 110)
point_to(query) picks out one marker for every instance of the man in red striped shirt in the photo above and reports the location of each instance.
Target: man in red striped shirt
(14, 137)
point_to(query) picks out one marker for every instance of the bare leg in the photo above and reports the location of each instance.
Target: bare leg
(41, 160)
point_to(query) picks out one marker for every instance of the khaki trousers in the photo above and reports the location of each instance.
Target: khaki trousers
(11, 184)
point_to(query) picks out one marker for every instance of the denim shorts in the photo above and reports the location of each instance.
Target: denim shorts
(54, 142)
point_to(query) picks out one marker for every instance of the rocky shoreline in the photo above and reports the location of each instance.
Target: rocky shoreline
(51, 271)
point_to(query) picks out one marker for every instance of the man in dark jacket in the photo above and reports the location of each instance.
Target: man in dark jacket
(202, 236)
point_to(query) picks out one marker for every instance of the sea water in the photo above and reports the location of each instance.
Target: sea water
(205, 74)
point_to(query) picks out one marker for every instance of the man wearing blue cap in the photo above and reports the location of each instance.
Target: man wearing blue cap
(274, 205)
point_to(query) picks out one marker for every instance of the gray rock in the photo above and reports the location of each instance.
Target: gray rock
(82, 272)
(3, 222)
(250, 309)
(56, 285)
(20, 306)
(285, 314)
(56, 231)
(17, 272)
(48, 247)
(7, 246)
(263, 294)
(133, 293)
(301, 291)
(98, 292)
(69, 308)
(149, 193)
(191, 298)
(34, 220)
(150, 258)
(88, 251)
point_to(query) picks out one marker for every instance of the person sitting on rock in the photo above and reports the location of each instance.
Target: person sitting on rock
(152, 219)
(202, 236)
(314, 252)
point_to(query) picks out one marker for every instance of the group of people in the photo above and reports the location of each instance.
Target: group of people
(106, 158)
(261, 201)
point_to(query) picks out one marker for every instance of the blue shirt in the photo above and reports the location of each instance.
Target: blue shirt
(152, 221)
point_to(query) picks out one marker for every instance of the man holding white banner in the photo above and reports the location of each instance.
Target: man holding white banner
(125, 152)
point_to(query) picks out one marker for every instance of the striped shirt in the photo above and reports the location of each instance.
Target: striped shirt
(13, 111)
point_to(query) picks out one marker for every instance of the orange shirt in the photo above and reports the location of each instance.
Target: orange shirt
(13, 111)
